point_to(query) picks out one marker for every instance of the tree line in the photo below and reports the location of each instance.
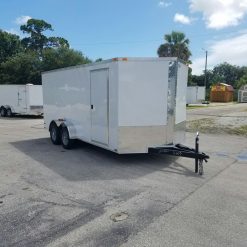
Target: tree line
(177, 45)
(23, 60)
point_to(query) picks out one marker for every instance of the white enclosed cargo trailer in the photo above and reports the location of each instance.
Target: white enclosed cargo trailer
(242, 94)
(195, 95)
(21, 99)
(126, 105)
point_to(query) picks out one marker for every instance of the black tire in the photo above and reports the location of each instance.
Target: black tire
(66, 141)
(3, 112)
(9, 113)
(55, 134)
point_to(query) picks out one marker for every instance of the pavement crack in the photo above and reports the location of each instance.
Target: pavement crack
(53, 203)
(85, 204)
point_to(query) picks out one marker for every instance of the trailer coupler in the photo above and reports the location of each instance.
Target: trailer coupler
(183, 151)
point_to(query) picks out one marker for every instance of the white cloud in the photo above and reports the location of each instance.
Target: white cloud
(164, 4)
(21, 20)
(231, 50)
(220, 14)
(182, 19)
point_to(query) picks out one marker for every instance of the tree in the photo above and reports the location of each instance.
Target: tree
(62, 57)
(196, 80)
(37, 53)
(224, 72)
(176, 45)
(99, 59)
(227, 73)
(242, 81)
(10, 45)
(21, 68)
(57, 42)
(37, 40)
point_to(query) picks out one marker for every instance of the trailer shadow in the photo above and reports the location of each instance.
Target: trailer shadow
(88, 162)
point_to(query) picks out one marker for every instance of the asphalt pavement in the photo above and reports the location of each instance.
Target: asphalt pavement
(92, 197)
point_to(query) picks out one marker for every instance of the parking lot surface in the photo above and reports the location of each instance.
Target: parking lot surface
(92, 197)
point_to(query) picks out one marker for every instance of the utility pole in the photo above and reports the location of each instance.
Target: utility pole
(206, 65)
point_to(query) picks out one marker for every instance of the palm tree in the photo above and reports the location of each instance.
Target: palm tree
(176, 45)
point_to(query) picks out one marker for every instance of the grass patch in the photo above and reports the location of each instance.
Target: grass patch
(195, 107)
(242, 130)
(208, 125)
(205, 125)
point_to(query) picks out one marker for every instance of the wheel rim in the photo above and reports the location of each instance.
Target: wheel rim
(53, 134)
(8, 113)
(2, 112)
(65, 137)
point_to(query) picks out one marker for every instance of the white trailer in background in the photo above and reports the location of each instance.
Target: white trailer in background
(242, 94)
(21, 99)
(126, 105)
(195, 95)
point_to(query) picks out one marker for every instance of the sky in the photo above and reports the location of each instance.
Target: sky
(135, 28)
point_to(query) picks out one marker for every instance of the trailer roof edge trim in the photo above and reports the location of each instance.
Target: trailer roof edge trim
(118, 59)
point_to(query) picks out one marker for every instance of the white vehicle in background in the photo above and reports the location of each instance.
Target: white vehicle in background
(126, 105)
(21, 99)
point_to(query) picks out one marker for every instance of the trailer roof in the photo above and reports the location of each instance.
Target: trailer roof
(118, 59)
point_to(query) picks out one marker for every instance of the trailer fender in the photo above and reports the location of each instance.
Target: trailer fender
(65, 123)
(9, 107)
(71, 129)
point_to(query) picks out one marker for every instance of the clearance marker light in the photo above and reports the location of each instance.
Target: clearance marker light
(120, 59)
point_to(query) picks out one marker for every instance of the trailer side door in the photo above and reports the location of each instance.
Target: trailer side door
(22, 99)
(99, 87)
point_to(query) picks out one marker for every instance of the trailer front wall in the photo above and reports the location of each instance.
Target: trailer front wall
(180, 115)
(142, 105)
(35, 95)
(144, 95)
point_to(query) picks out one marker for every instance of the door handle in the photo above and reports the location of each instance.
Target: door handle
(91, 107)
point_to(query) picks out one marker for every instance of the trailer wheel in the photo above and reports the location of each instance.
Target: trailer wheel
(3, 112)
(55, 134)
(66, 141)
(9, 112)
